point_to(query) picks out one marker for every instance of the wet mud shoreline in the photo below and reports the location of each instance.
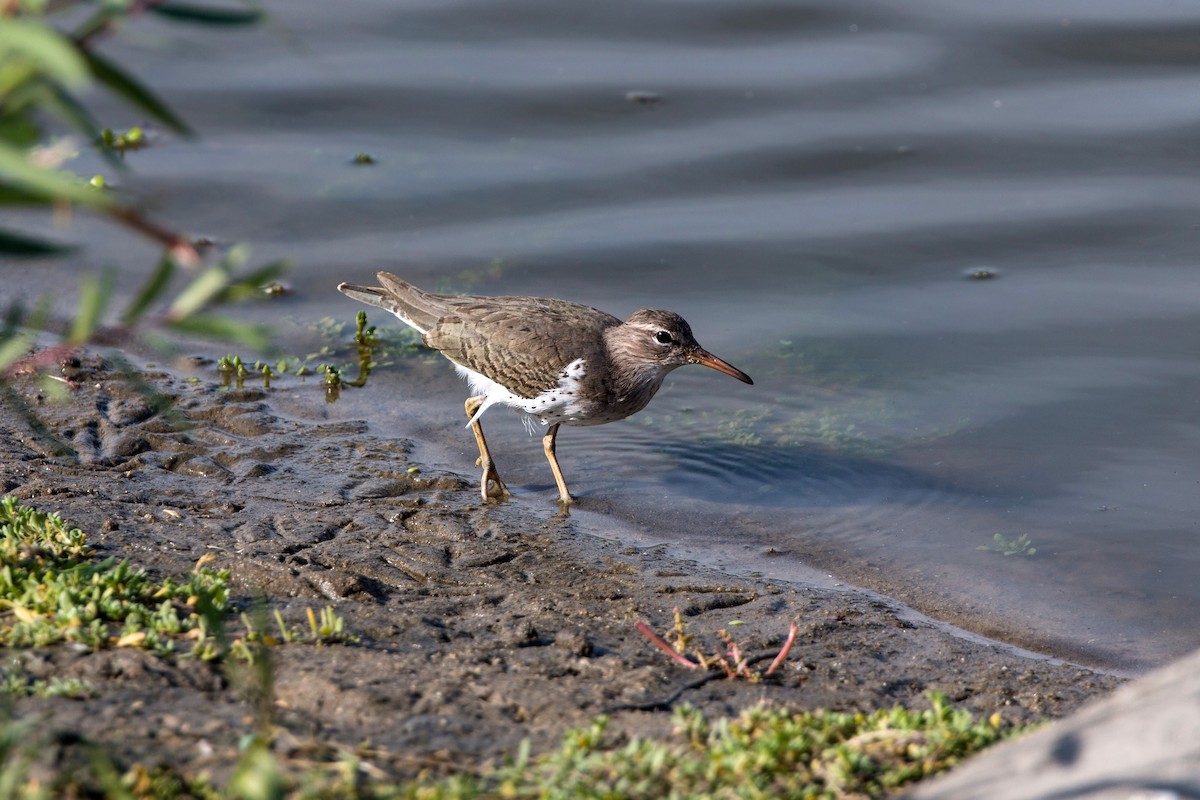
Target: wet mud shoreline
(478, 627)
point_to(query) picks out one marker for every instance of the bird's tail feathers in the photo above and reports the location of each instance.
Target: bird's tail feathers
(406, 301)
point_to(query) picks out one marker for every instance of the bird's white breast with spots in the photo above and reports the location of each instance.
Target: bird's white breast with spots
(561, 404)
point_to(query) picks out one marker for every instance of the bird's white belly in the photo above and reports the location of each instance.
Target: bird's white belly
(561, 405)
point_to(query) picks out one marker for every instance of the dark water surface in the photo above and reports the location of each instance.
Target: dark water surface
(812, 185)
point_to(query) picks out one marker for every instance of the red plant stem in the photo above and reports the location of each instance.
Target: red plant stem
(783, 651)
(666, 648)
(181, 249)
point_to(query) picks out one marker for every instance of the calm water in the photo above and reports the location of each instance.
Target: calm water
(811, 187)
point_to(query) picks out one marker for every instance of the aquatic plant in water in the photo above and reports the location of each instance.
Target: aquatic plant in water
(1010, 545)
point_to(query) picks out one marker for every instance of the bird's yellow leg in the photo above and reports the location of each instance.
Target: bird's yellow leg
(564, 496)
(491, 487)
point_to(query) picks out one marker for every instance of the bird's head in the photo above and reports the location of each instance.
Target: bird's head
(662, 340)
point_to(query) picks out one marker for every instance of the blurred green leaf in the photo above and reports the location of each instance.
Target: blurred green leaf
(94, 296)
(151, 290)
(206, 15)
(236, 257)
(137, 95)
(15, 348)
(18, 244)
(42, 73)
(19, 132)
(42, 47)
(106, 18)
(216, 327)
(107, 775)
(250, 286)
(12, 196)
(257, 775)
(202, 290)
(21, 174)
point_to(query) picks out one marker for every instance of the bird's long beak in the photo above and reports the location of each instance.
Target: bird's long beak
(709, 360)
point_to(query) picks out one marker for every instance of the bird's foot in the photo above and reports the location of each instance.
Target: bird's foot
(564, 505)
(491, 488)
(495, 491)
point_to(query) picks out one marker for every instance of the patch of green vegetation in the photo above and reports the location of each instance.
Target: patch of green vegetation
(333, 382)
(366, 343)
(15, 683)
(52, 590)
(329, 627)
(855, 424)
(1010, 545)
(765, 752)
(847, 405)
(234, 371)
(741, 428)
(371, 349)
(326, 627)
(395, 341)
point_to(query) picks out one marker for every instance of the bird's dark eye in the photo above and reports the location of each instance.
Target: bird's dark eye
(662, 337)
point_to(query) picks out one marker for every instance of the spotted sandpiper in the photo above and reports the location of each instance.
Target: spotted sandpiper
(559, 363)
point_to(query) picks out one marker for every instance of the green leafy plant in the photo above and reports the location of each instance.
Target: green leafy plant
(53, 590)
(325, 627)
(368, 346)
(15, 683)
(763, 752)
(329, 628)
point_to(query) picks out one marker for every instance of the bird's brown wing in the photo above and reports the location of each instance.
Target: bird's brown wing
(522, 343)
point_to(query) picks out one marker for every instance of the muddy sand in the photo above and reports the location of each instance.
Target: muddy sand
(477, 626)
